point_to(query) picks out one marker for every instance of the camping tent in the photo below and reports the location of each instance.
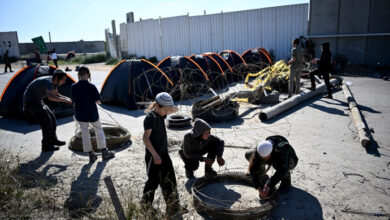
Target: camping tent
(257, 59)
(236, 62)
(213, 70)
(11, 100)
(256, 56)
(132, 82)
(189, 78)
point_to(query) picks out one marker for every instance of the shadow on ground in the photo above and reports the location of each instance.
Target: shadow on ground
(297, 204)
(83, 199)
(47, 177)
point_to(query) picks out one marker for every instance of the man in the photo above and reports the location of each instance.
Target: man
(197, 143)
(7, 62)
(275, 151)
(324, 68)
(37, 90)
(296, 63)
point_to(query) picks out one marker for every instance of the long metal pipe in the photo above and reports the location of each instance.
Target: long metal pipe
(273, 111)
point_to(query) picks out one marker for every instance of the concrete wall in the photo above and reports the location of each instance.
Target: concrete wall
(64, 47)
(348, 17)
(9, 41)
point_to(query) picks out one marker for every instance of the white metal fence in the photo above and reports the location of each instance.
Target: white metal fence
(271, 28)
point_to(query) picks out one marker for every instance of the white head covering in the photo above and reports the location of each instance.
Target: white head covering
(264, 148)
(164, 99)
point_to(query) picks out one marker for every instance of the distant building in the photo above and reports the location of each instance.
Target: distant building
(9, 41)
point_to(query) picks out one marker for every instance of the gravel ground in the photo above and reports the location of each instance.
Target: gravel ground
(335, 175)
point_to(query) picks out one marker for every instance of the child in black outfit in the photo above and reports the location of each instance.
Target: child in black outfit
(158, 162)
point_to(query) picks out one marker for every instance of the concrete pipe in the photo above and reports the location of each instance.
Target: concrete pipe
(357, 117)
(273, 111)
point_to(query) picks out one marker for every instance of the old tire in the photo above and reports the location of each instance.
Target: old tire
(178, 121)
(115, 137)
(226, 113)
(218, 212)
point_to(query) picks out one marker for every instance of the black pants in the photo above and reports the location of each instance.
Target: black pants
(162, 175)
(46, 119)
(190, 164)
(326, 80)
(7, 65)
(55, 62)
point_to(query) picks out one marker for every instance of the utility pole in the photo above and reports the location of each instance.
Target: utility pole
(49, 37)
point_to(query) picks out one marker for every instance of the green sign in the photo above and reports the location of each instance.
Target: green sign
(40, 43)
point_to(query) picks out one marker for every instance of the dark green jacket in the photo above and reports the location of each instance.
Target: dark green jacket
(283, 159)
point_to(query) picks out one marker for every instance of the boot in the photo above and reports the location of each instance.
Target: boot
(58, 142)
(49, 147)
(106, 155)
(175, 211)
(189, 174)
(92, 157)
(329, 96)
(209, 172)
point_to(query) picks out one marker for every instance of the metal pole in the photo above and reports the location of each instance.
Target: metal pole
(273, 111)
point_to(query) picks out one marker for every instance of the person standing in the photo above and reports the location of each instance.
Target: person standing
(159, 166)
(54, 57)
(85, 97)
(296, 62)
(324, 68)
(7, 62)
(275, 151)
(197, 143)
(37, 56)
(36, 91)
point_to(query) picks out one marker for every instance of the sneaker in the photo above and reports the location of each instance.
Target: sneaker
(209, 172)
(106, 154)
(328, 97)
(47, 148)
(58, 142)
(92, 157)
(189, 174)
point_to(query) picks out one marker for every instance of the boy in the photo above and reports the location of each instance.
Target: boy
(197, 143)
(275, 151)
(85, 97)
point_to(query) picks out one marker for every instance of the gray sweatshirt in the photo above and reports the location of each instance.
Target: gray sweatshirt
(194, 146)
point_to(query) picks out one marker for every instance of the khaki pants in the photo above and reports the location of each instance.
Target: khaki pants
(100, 138)
(294, 81)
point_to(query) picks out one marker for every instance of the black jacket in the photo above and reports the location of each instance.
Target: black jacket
(281, 155)
(325, 62)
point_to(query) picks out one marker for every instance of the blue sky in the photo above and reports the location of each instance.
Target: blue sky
(73, 20)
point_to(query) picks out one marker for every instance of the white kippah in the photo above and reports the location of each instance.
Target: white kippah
(164, 99)
(264, 148)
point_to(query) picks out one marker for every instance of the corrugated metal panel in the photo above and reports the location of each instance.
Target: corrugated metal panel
(123, 37)
(271, 28)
